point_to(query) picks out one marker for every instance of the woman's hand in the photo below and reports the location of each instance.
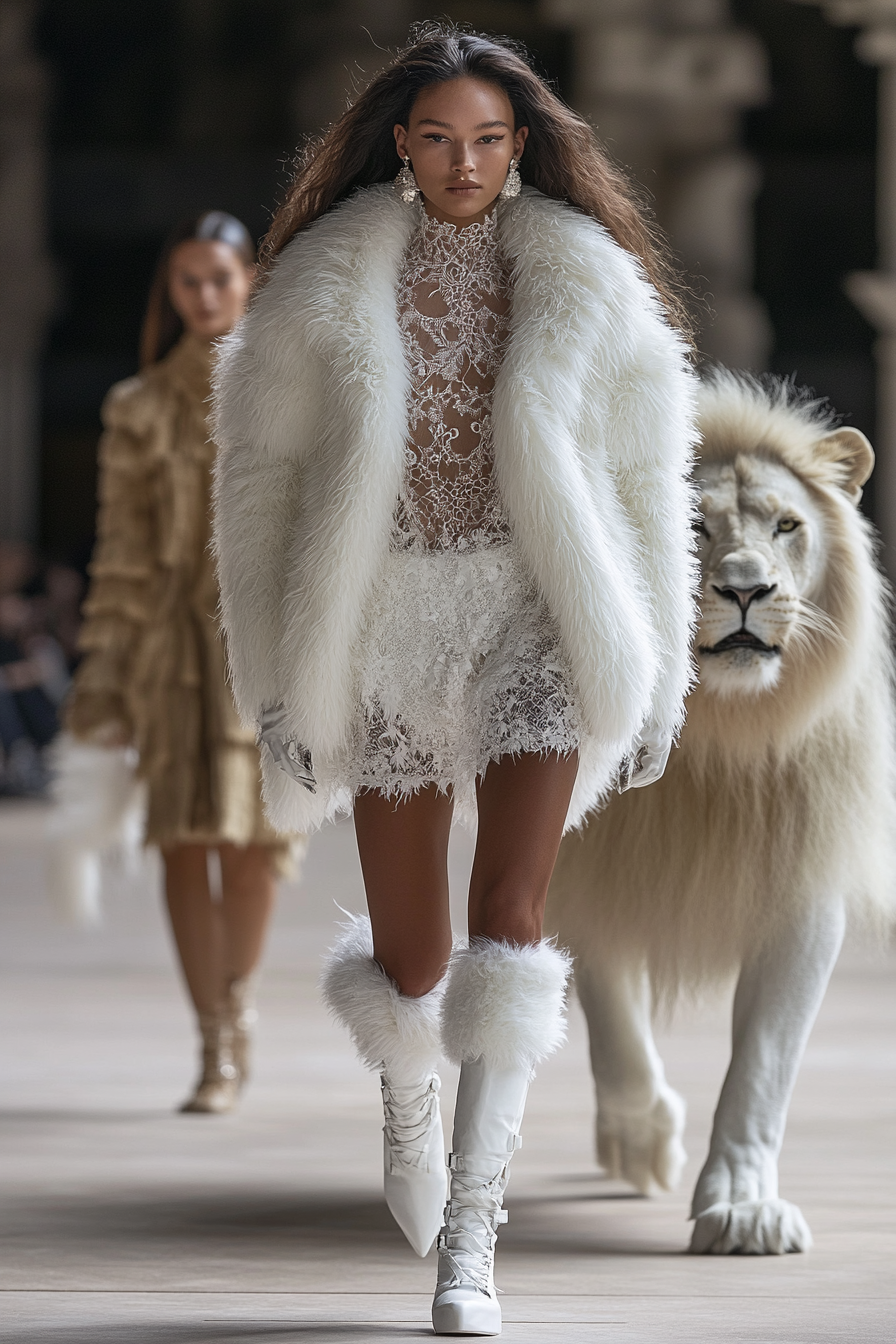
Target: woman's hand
(292, 758)
(647, 760)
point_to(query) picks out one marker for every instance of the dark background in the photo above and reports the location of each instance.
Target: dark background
(154, 116)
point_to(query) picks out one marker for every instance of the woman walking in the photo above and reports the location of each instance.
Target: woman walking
(453, 538)
(153, 673)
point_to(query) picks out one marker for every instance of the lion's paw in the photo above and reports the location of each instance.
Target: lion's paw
(760, 1227)
(643, 1147)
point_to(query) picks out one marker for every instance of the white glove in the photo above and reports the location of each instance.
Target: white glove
(99, 806)
(647, 760)
(287, 752)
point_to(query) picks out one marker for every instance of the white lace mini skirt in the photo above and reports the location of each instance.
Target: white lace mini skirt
(459, 664)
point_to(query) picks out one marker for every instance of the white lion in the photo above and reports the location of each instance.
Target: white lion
(775, 820)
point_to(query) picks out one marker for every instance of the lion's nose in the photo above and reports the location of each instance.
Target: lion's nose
(744, 596)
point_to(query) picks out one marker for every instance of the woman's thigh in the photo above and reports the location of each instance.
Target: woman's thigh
(186, 872)
(247, 871)
(523, 801)
(403, 848)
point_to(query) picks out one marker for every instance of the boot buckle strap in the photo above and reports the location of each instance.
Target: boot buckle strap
(458, 1162)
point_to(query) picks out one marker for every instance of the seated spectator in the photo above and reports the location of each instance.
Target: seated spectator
(34, 669)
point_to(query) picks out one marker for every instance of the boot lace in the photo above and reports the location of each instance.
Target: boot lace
(410, 1114)
(466, 1244)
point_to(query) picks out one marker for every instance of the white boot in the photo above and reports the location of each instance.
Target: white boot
(504, 1011)
(400, 1036)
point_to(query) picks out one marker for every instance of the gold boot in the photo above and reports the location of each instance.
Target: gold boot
(240, 1016)
(218, 1086)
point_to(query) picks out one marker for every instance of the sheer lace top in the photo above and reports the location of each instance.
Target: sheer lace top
(454, 313)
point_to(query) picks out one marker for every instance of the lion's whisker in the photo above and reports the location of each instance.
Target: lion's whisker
(814, 624)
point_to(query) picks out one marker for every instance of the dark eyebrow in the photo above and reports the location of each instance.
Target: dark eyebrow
(446, 125)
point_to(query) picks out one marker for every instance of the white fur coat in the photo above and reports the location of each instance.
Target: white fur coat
(593, 421)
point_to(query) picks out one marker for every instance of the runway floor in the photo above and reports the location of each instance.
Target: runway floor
(123, 1221)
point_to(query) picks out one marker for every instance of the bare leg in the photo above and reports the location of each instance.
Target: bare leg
(736, 1205)
(640, 1119)
(523, 802)
(248, 889)
(403, 847)
(196, 924)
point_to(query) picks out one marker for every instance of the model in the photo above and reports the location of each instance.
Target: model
(453, 529)
(153, 673)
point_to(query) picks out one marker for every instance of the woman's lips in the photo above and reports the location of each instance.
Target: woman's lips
(464, 188)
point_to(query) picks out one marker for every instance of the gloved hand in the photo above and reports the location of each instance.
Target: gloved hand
(647, 760)
(292, 758)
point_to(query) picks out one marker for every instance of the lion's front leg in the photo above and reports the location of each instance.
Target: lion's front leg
(736, 1206)
(640, 1119)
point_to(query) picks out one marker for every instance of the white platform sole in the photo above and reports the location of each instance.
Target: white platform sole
(467, 1314)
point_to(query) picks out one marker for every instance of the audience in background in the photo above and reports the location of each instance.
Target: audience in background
(39, 616)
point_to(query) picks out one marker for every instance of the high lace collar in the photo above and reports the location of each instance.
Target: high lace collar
(472, 244)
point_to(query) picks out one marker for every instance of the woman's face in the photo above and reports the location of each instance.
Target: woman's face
(460, 140)
(208, 285)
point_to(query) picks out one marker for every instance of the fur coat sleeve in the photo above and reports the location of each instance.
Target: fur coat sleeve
(269, 390)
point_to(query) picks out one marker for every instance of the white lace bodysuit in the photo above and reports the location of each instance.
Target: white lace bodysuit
(459, 661)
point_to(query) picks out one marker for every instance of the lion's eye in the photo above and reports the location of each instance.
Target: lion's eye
(788, 525)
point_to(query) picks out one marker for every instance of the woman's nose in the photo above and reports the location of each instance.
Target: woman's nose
(463, 159)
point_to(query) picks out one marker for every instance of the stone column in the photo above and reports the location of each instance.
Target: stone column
(874, 292)
(25, 268)
(663, 82)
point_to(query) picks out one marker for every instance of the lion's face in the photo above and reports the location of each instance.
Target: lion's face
(762, 552)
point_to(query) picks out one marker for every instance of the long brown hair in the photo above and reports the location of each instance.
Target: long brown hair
(562, 157)
(162, 328)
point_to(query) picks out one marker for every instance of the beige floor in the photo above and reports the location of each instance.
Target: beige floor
(122, 1221)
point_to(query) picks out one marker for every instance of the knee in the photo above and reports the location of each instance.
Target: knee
(508, 911)
(414, 975)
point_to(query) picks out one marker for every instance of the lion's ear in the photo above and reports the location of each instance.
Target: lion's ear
(850, 450)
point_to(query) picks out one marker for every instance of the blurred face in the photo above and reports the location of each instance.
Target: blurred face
(460, 140)
(208, 285)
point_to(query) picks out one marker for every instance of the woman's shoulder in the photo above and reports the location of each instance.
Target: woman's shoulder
(356, 222)
(370, 228)
(546, 229)
(135, 404)
(323, 272)
(566, 262)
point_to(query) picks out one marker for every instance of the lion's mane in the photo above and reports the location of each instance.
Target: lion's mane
(770, 800)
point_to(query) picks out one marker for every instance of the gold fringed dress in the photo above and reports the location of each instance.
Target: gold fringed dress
(154, 659)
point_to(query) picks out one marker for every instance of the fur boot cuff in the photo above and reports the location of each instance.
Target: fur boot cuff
(391, 1031)
(505, 1004)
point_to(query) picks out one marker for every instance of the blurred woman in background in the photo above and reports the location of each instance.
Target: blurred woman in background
(153, 674)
